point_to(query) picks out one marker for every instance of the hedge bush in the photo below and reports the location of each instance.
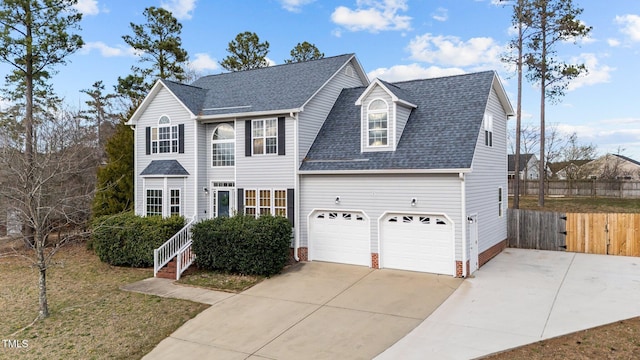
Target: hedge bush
(129, 240)
(243, 244)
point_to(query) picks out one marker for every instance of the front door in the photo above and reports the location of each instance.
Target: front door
(223, 203)
(222, 200)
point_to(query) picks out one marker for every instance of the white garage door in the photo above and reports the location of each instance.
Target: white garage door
(340, 236)
(417, 243)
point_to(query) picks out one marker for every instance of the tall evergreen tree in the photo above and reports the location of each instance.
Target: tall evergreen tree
(246, 52)
(100, 112)
(35, 36)
(551, 22)
(304, 52)
(162, 55)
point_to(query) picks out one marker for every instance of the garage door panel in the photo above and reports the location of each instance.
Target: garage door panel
(340, 236)
(420, 242)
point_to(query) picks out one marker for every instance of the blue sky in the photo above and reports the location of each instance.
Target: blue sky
(394, 40)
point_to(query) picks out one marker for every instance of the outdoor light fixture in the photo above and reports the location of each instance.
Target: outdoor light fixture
(337, 199)
(414, 201)
(206, 191)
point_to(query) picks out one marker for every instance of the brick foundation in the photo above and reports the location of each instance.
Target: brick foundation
(491, 252)
(374, 261)
(168, 271)
(303, 254)
(459, 268)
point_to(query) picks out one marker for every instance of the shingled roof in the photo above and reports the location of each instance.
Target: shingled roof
(441, 132)
(164, 167)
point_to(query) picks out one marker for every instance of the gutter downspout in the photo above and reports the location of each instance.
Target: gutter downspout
(463, 195)
(196, 179)
(296, 192)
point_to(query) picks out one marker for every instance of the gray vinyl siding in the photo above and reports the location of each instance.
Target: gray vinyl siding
(202, 172)
(402, 115)
(377, 93)
(377, 194)
(269, 170)
(164, 103)
(218, 173)
(315, 112)
(489, 173)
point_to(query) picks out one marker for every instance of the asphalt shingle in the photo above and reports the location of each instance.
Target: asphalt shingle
(164, 167)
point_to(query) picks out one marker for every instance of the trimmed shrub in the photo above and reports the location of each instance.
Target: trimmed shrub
(243, 244)
(129, 240)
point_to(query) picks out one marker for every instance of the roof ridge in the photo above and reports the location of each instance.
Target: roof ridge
(277, 65)
(182, 84)
(444, 77)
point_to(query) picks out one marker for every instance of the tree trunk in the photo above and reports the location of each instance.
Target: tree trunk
(42, 279)
(516, 192)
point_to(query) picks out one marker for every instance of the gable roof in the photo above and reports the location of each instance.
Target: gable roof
(440, 134)
(274, 89)
(626, 158)
(164, 167)
(397, 94)
(524, 160)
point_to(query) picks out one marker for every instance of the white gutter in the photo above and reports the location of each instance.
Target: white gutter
(248, 114)
(463, 211)
(383, 171)
(195, 175)
(296, 192)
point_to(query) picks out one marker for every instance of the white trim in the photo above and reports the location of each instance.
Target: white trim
(385, 171)
(157, 176)
(227, 141)
(392, 212)
(296, 186)
(196, 178)
(162, 207)
(390, 121)
(474, 217)
(266, 113)
(393, 96)
(463, 228)
(502, 95)
(264, 136)
(180, 201)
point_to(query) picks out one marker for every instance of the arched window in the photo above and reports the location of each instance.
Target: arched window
(223, 145)
(378, 123)
(164, 137)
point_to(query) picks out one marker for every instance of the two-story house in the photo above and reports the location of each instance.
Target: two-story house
(410, 175)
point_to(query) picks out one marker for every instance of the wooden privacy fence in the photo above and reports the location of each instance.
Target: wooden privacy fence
(610, 234)
(607, 234)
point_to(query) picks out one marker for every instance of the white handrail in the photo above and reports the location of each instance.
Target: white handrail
(184, 259)
(168, 250)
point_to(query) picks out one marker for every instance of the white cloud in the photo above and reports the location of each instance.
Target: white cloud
(87, 7)
(613, 42)
(106, 50)
(294, 5)
(629, 25)
(597, 73)
(203, 62)
(412, 72)
(441, 14)
(452, 51)
(181, 9)
(373, 16)
(270, 62)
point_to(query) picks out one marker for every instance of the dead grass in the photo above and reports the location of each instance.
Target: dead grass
(619, 340)
(581, 205)
(90, 317)
(221, 282)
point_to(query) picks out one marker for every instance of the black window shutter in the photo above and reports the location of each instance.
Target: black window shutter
(240, 201)
(147, 139)
(181, 138)
(291, 206)
(281, 135)
(247, 138)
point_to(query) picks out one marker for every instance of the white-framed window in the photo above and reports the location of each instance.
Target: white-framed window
(265, 201)
(223, 145)
(164, 137)
(378, 123)
(500, 202)
(174, 201)
(488, 130)
(154, 202)
(264, 134)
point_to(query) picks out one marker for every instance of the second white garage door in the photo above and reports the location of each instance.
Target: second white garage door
(340, 236)
(417, 242)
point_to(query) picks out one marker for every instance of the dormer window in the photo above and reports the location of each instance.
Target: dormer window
(378, 123)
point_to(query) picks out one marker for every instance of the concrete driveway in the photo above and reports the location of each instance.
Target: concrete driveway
(523, 296)
(313, 311)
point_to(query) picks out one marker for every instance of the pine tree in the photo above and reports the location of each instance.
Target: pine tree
(246, 53)
(304, 52)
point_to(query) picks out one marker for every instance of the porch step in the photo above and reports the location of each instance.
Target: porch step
(168, 271)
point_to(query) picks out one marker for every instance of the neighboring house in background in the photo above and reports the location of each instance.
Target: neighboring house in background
(409, 175)
(613, 167)
(528, 167)
(568, 170)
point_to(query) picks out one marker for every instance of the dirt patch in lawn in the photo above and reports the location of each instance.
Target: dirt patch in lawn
(619, 340)
(218, 281)
(90, 317)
